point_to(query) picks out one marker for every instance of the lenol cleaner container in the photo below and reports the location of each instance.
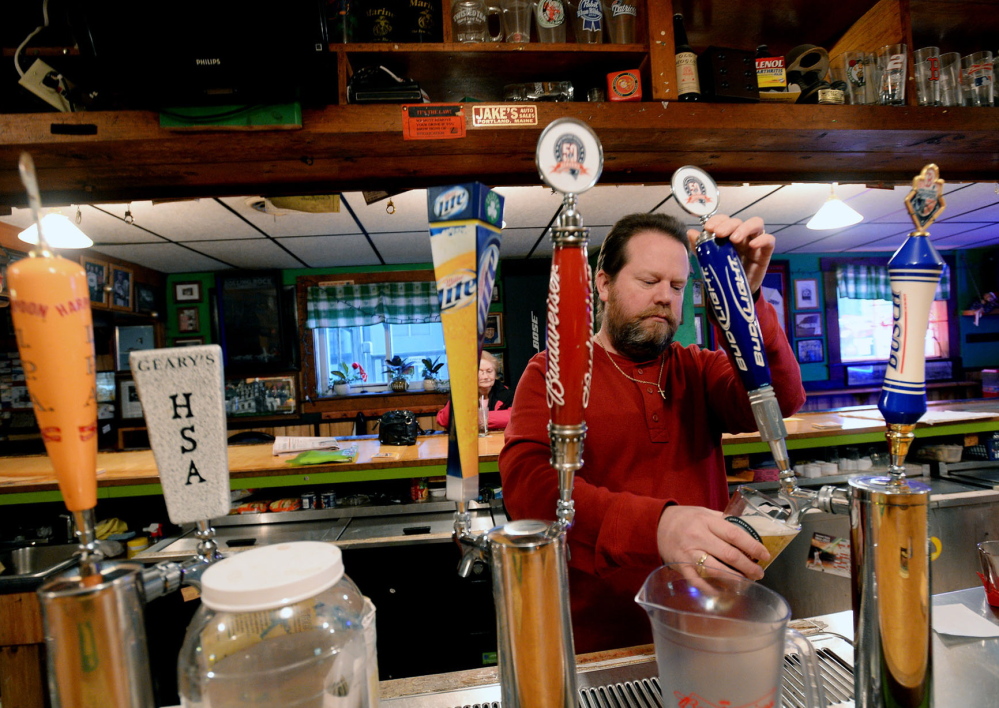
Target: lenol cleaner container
(279, 626)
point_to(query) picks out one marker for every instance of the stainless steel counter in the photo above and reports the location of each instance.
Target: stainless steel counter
(965, 670)
(348, 527)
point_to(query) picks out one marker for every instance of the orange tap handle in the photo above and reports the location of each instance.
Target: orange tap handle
(50, 306)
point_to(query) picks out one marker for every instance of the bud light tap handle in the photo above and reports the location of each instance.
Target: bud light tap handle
(569, 159)
(731, 300)
(915, 271)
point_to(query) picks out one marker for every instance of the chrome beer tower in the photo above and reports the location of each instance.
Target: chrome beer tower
(529, 559)
(890, 566)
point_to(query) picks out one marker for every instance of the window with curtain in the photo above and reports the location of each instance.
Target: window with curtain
(367, 323)
(863, 297)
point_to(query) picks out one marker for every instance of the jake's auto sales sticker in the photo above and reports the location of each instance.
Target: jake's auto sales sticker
(503, 115)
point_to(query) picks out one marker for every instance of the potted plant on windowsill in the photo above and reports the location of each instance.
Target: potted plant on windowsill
(342, 378)
(399, 369)
(430, 369)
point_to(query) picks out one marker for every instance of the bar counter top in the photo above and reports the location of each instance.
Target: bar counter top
(134, 473)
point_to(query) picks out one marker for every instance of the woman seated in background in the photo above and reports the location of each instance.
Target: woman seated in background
(500, 398)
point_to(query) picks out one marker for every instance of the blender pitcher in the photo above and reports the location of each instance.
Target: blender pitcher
(720, 639)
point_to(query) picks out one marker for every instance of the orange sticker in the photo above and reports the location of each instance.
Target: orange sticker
(433, 121)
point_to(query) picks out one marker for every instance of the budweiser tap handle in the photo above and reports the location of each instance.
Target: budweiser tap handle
(915, 272)
(570, 159)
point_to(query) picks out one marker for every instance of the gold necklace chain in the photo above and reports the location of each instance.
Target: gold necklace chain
(662, 364)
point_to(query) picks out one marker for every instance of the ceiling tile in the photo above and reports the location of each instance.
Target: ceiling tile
(293, 223)
(530, 207)
(875, 237)
(410, 212)
(605, 204)
(332, 251)
(413, 247)
(260, 254)
(797, 202)
(164, 257)
(186, 220)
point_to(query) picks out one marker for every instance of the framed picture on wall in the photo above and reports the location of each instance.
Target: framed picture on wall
(274, 395)
(145, 298)
(132, 339)
(188, 320)
(496, 292)
(187, 292)
(810, 351)
(697, 293)
(97, 278)
(699, 330)
(806, 294)
(776, 292)
(122, 288)
(493, 335)
(131, 406)
(500, 363)
(807, 324)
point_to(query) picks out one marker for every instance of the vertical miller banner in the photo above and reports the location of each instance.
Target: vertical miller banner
(465, 230)
(183, 401)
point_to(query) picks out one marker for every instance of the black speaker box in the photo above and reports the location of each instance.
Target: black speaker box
(728, 75)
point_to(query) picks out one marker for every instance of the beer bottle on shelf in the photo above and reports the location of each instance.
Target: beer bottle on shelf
(688, 85)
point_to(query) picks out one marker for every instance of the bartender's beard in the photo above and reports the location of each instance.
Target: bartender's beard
(639, 338)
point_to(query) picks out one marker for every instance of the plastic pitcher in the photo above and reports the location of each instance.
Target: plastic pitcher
(720, 639)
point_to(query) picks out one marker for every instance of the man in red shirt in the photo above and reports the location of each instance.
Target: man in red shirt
(653, 481)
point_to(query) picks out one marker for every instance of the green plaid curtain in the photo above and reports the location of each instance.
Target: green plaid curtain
(372, 303)
(865, 282)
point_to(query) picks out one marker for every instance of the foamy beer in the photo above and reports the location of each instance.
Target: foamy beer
(764, 518)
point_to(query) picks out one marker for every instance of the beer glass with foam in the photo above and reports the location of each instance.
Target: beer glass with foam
(764, 518)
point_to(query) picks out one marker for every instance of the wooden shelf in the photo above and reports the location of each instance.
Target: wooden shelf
(127, 156)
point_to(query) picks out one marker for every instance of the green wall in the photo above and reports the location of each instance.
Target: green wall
(975, 271)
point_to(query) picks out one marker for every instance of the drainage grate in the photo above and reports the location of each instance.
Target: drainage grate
(837, 679)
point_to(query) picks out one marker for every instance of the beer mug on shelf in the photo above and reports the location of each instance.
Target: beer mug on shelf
(516, 20)
(551, 17)
(764, 518)
(588, 21)
(620, 16)
(469, 20)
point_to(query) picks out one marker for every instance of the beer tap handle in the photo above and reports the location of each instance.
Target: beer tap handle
(730, 298)
(569, 158)
(915, 271)
(50, 308)
(183, 401)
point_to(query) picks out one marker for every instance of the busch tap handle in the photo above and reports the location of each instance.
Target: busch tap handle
(915, 272)
(569, 160)
(731, 300)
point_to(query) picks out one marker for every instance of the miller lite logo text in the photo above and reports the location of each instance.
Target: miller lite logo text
(451, 202)
(457, 290)
(487, 278)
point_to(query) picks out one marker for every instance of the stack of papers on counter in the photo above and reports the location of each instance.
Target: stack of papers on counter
(284, 445)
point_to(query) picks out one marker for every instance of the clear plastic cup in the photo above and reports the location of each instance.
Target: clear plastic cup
(977, 79)
(926, 65)
(951, 93)
(892, 64)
